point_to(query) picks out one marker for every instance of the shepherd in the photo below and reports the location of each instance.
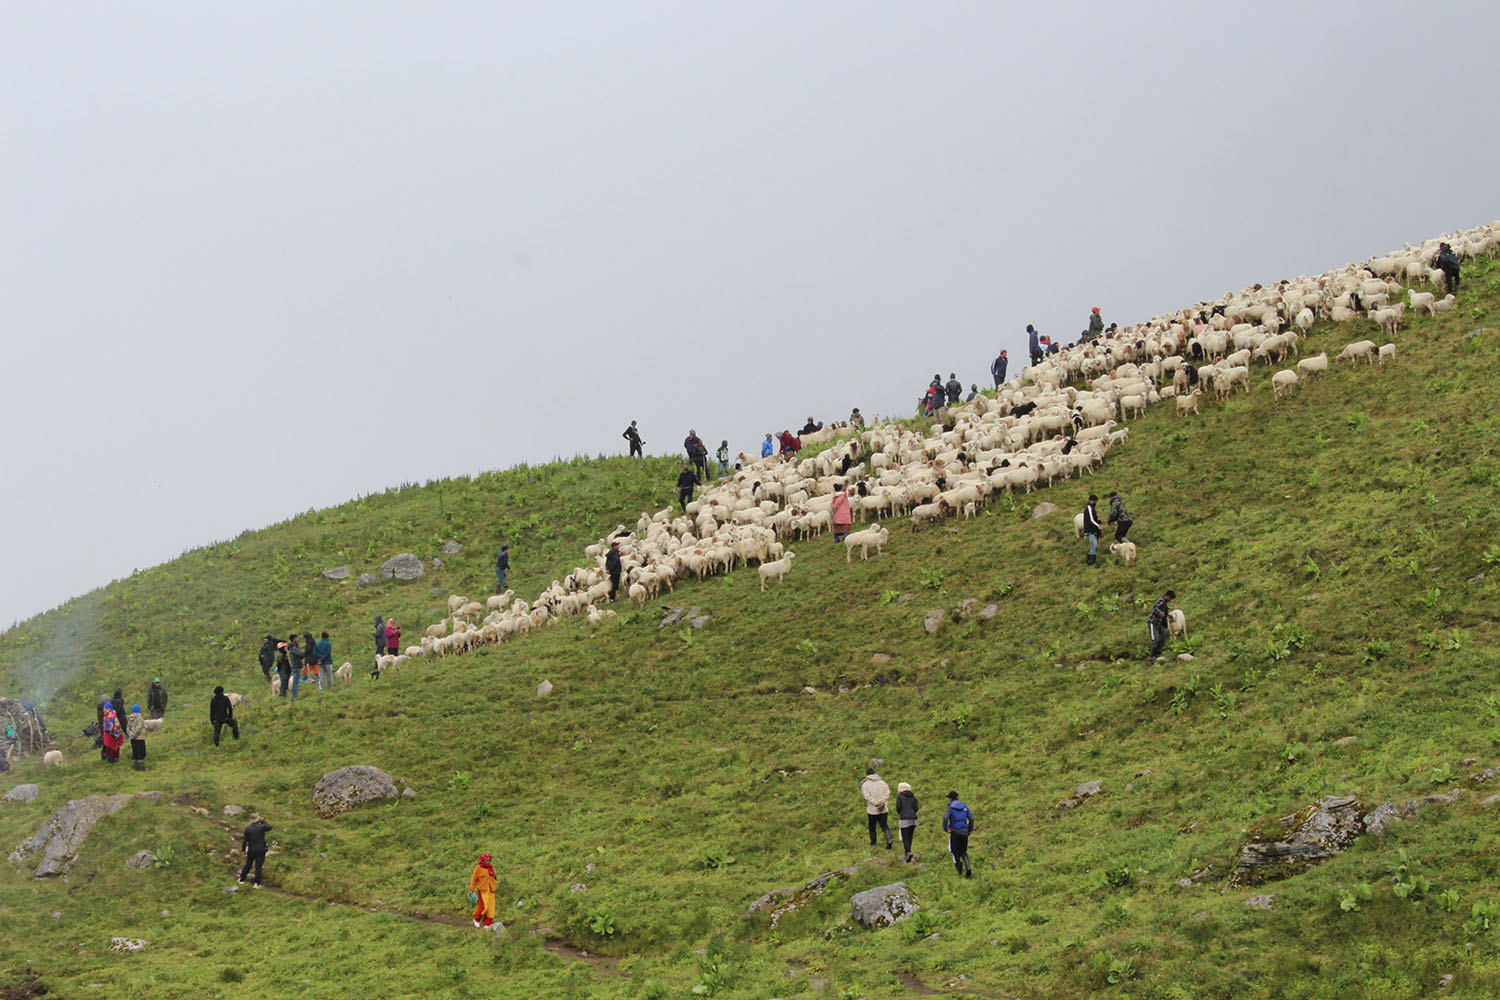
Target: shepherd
(482, 886)
(111, 733)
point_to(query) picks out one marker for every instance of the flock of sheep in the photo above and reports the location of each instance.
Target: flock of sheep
(1038, 428)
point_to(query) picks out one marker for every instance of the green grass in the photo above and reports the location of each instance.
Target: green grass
(1327, 551)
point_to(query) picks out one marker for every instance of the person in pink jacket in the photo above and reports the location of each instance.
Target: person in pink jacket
(843, 518)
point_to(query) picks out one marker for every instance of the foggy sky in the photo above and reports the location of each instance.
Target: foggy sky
(258, 258)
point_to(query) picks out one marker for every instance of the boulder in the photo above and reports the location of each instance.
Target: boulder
(401, 567)
(437, 564)
(140, 859)
(22, 793)
(933, 620)
(337, 573)
(1383, 814)
(61, 837)
(1312, 835)
(779, 903)
(543, 689)
(987, 612)
(882, 906)
(1082, 794)
(339, 791)
(365, 579)
(452, 548)
(1042, 510)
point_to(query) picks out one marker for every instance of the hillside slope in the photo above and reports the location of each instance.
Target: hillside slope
(1335, 559)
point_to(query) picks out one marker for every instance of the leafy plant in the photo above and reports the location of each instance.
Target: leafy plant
(459, 781)
(1448, 900)
(716, 856)
(163, 857)
(1350, 897)
(601, 921)
(1441, 776)
(1116, 970)
(932, 579)
(919, 925)
(1377, 650)
(1481, 915)
(1223, 700)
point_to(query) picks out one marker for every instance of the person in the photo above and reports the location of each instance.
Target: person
(156, 699)
(958, 823)
(221, 714)
(686, 480)
(1093, 529)
(634, 437)
(1096, 324)
(998, 367)
(856, 419)
(973, 391)
(1447, 262)
(933, 400)
(283, 669)
(135, 731)
(1053, 347)
(1119, 516)
(876, 792)
(502, 566)
(612, 567)
(482, 886)
(954, 389)
(293, 654)
(112, 734)
(268, 656)
(767, 448)
(906, 818)
(99, 728)
(810, 427)
(1034, 343)
(309, 661)
(392, 638)
(843, 517)
(118, 701)
(253, 846)
(379, 635)
(323, 656)
(790, 445)
(697, 453)
(1156, 621)
(723, 457)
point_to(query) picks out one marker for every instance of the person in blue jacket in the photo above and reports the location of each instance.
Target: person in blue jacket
(958, 823)
(1034, 344)
(767, 447)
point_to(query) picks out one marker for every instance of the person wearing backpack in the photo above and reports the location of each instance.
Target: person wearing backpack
(958, 823)
(876, 792)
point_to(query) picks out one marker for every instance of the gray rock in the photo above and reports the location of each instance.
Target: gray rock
(1490, 800)
(961, 612)
(401, 567)
(675, 616)
(881, 658)
(1313, 835)
(1042, 510)
(22, 793)
(1344, 741)
(1264, 902)
(1447, 798)
(61, 837)
(365, 579)
(338, 791)
(987, 612)
(437, 564)
(1474, 333)
(337, 573)
(141, 859)
(452, 548)
(882, 906)
(903, 598)
(1383, 815)
(127, 944)
(543, 689)
(1480, 777)
(232, 810)
(933, 620)
(1082, 794)
(699, 621)
(408, 793)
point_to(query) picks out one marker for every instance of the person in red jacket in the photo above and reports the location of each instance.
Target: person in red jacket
(392, 638)
(843, 517)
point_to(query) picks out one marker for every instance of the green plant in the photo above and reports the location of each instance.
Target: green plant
(1350, 897)
(1481, 915)
(932, 579)
(459, 781)
(1448, 900)
(1223, 700)
(1441, 775)
(919, 925)
(1294, 753)
(1116, 970)
(163, 857)
(1376, 650)
(716, 969)
(716, 857)
(600, 921)
(887, 596)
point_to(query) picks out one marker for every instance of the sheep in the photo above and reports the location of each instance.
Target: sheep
(236, 700)
(345, 672)
(1282, 381)
(1422, 302)
(930, 511)
(638, 593)
(1077, 525)
(1443, 304)
(415, 651)
(386, 662)
(275, 685)
(455, 602)
(1185, 405)
(1305, 319)
(873, 535)
(439, 630)
(1126, 552)
(1315, 365)
(152, 725)
(1359, 349)
(1388, 319)
(1132, 405)
(1387, 351)
(776, 570)
(52, 758)
(1176, 623)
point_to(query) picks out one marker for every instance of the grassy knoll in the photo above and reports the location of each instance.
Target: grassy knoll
(1335, 555)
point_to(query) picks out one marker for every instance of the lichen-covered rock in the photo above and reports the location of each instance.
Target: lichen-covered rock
(140, 859)
(1383, 815)
(1313, 835)
(61, 837)
(884, 905)
(779, 903)
(932, 620)
(402, 567)
(337, 573)
(365, 579)
(1082, 794)
(339, 791)
(452, 548)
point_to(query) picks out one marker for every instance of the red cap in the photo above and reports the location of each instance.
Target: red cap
(1096, 309)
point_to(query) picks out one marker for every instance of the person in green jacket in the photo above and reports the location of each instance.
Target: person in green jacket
(1119, 516)
(1096, 324)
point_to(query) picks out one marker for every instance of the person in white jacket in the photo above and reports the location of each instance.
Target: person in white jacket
(877, 811)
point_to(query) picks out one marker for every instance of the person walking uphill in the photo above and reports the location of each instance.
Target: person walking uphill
(1156, 621)
(612, 566)
(958, 823)
(221, 714)
(156, 699)
(135, 731)
(906, 818)
(876, 792)
(502, 566)
(843, 517)
(482, 886)
(686, 480)
(1119, 516)
(1093, 529)
(1447, 262)
(253, 846)
(634, 437)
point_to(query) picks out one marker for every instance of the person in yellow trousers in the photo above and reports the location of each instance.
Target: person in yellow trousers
(482, 886)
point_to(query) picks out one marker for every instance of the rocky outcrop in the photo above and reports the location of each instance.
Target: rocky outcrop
(402, 567)
(781, 903)
(61, 837)
(882, 906)
(339, 791)
(1312, 835)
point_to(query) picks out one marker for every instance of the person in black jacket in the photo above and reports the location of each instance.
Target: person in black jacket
(253, 845)
(634, 437)
(685, 483)
(502, 566)
(954, 389)
(156, 699)
(697, 453)
(268, 656)
(998, 367)
(379, 635)
(284, 668)
(221, 714)
(906, 817)
(119, 703)
(612, 567)
(1093, 529)
(298, 657)
(1157, 622)
(1447, 262)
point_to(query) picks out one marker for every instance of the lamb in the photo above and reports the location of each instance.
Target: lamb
(345, 672)
(873, 535)
(638, 593)
(1282, 382)
(1126, 552)
(1315, 365)
(52, 758)
(1185, 405)
(776, 569)
(1387, 351)
(1359, 349)
(1176, 623)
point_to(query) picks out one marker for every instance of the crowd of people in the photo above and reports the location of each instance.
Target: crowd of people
(296, 659)
(958, 819)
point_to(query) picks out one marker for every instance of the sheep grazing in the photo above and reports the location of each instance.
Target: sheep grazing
(931, 511)
(1282, 382)
(1176, 623)
(1359, 349)
(1315, 365)
(1185, 405)
(52, 758)
(345, 672)
(776, 569)
(873, 535)
(1387, 351)
(1126, 552)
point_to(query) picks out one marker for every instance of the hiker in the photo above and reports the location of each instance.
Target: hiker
(1096, 324)
(379, 635)
(998, 367)
(111, 733)
(929, 402)
(98, 727)
(156, 699)
(323, 657)
(1119, 516)
(1156, 621)
(221, 714)
(268, 656)
(118, 701)
(309, 661)
(697, 453)
(294, 654)
(1053, 347)
(973, 391)
(790, 445)
(906, 818)
(502, 566)
(392, 638)
(958, 823)
(283, 669)
(954, 389)
(723, 457)
(634, 437)
(686, 480)
(876, 791)
(612, 567)
(843, 517)
(135, 731)
(482, 886)
(1093, 529)
(1034, 344)
(810, 427)
(767, 448)
(856, 419)
(253, 846)
(1447, 262)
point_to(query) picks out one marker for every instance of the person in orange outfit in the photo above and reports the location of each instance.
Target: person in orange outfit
(482, 886)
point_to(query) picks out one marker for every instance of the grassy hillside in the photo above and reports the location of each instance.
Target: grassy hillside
(1335, 556)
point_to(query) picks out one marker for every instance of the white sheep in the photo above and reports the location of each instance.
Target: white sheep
(1185, 405)
(638, 593)
(345, 672)
(236, 699)
(1077, 525)
(1176, 622)
(776, 570)
(1359, 349)
(873, 535)
(1387, 351)
(1422, 302)
(1125, 550)
(1282, 381)
(932, 511)
(52, 758)
(153, 725)
(1443, 304)
(1315, 365)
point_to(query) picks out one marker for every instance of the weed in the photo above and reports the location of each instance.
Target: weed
(1375, 651)
(1351, 897)
(716, 857)
(1481, 915)
(601, 921)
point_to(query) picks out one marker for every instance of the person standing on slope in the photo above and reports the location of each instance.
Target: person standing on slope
(268, 656)
(482, 886)
(613, 566)
(1093, 529)
(323, 657)
(686, 480)
(156, 699)
(697, 453)
(906, 818)
(1096, 324)
(1119, 516)
(958, 823)
(502, 566)
(1156, 621)
(767, 447)
(1447, 262)
(634, 437)
(221, 714)
(876, 792)
(998, 367)
(1034, 343)
(379, 635)
(135, 731)
(283, 670)
(392, 638)
(954, 389)
(294, 654)
(253, 846)
(843, 517)
(723, 457)
(112, 734)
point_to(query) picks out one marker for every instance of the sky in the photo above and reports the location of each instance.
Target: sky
(262, 258)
